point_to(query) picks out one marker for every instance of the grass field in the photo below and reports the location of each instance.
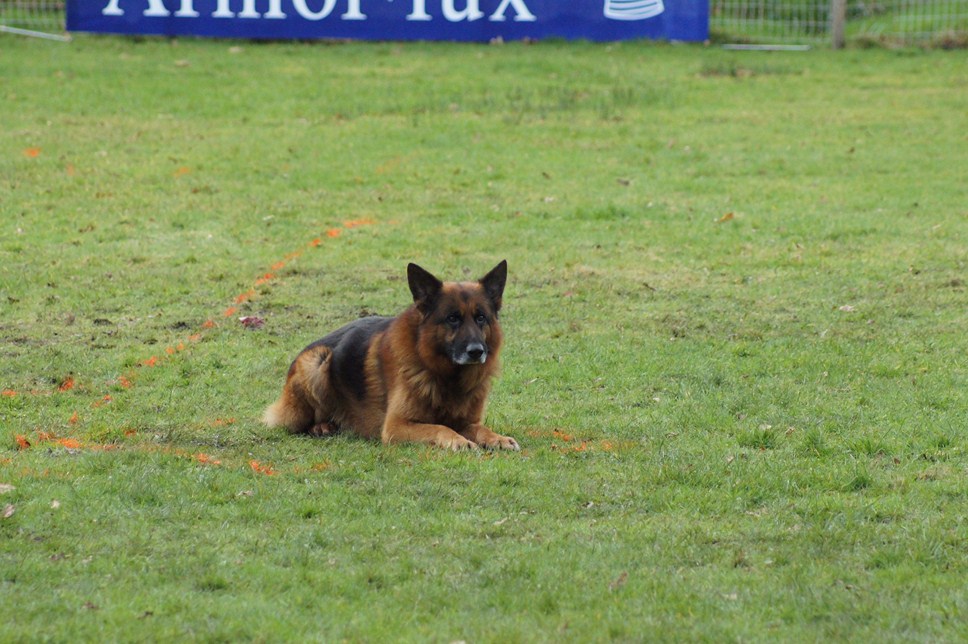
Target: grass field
(736, 341)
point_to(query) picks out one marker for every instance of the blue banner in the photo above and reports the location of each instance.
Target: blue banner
(460, 20)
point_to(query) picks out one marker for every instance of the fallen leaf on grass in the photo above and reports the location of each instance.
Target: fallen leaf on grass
(22, 442)
(727, 217)
(182, 171)
(847, 308)
(6, 487)
(31, 153)
(258, 467)
(8, 511)
(67, 385)
(619, 581)
(54, 504)
(9, 393)
(252, 322)
(206, 459)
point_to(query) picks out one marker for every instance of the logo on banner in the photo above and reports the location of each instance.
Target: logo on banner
(633, 9)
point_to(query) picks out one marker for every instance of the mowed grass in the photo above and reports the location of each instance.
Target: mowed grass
(736, 341)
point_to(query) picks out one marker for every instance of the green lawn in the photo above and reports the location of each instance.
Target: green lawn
(736, 335)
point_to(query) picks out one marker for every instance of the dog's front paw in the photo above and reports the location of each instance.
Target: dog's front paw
(501, 442)
(455, 443)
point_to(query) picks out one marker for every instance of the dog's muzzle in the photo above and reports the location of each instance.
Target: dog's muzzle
(474, 353)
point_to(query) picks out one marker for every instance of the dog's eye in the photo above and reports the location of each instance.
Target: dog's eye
(453, 319)
(481, 319)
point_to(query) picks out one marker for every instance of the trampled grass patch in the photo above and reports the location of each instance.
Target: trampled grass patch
(735, 350)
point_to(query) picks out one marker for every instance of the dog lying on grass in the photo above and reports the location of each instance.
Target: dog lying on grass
(422, 376)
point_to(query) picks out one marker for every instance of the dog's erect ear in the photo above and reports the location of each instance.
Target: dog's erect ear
(424, 286)
(494, 282)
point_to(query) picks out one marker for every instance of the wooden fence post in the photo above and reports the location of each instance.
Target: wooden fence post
(838, 18)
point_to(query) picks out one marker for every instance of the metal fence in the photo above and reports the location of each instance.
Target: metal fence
(41, 18)
(941, 23)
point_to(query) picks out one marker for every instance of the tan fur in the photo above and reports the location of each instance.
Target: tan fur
(413, 378)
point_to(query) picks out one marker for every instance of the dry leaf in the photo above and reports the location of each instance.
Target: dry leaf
(258, 467)
(6, 487)
(847, 308)
(727, 217)
(32, 153)
(8, 511)
(356, 223)
(619, 581)
(54, 504)
(252, 322)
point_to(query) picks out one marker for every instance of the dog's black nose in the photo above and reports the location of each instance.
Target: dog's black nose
(475, 351)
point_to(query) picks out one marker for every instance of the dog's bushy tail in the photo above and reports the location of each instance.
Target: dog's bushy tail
(279, 414)
(303, 402)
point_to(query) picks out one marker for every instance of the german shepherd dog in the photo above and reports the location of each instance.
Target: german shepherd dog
(422, 376)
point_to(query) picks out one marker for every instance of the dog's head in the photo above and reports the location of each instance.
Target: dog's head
(461, 317)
